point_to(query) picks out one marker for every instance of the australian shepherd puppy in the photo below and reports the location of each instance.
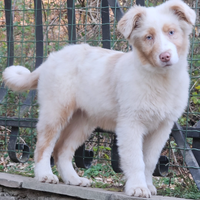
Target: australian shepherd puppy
(139, 95)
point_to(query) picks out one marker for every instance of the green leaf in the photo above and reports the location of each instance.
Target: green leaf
(194, 93)
(95, 149)
(106, 156)
(194, 99)
(198, 87)
(108, 148)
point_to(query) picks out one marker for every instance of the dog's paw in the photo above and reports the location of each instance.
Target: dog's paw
(138, 191)
(85, 182)
(48, 178)
(79, 181)
(152, 189)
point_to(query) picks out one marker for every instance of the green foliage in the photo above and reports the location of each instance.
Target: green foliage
(98, 184)
(150, 3)
(99, 170)
(24, 169)
(173, 145)
(180, 189)
(105, 151)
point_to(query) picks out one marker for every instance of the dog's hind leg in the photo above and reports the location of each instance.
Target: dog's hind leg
(52, 119)
(73, 136)
(152, 147)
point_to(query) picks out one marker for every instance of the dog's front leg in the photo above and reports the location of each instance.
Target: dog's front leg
(153, 144)
(130, 142)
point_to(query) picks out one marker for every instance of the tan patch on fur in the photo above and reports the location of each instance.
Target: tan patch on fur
(34, 83)
(136, 23)
(49, 135)
(179, 11)
(130, 21)
(60, 143)
(176, 38)
(168, 27)
(152, 31)
(179, 38)
(52, 129)
(66, 134)
(147, 49)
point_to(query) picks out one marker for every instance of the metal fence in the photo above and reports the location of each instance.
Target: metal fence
(30, 30)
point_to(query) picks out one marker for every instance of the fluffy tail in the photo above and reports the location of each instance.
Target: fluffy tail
(19, 78)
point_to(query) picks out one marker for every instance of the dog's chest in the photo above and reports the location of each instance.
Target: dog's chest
(159, 105)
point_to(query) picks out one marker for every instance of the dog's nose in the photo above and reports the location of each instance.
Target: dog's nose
(165, 57)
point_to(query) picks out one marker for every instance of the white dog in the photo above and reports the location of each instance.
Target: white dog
(139, 95)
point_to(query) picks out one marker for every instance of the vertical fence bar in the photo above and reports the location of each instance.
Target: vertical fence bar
(28, 101)
(38, 32)
(140, 2)
(9, 32)
(105, 24)
(118, 12)
(10, 40)
(71, 22)
(39, 51)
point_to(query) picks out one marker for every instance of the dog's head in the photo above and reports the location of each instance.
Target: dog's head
(159, 34)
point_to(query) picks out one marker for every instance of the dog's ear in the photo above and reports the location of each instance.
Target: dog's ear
(182, 11)
(131, 21)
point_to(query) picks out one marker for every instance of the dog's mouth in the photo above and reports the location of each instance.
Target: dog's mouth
(167, 64)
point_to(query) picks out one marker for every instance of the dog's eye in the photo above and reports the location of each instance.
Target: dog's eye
(171, 32)
(149, 37)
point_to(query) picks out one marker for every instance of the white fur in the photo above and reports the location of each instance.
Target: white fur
(82, 87)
